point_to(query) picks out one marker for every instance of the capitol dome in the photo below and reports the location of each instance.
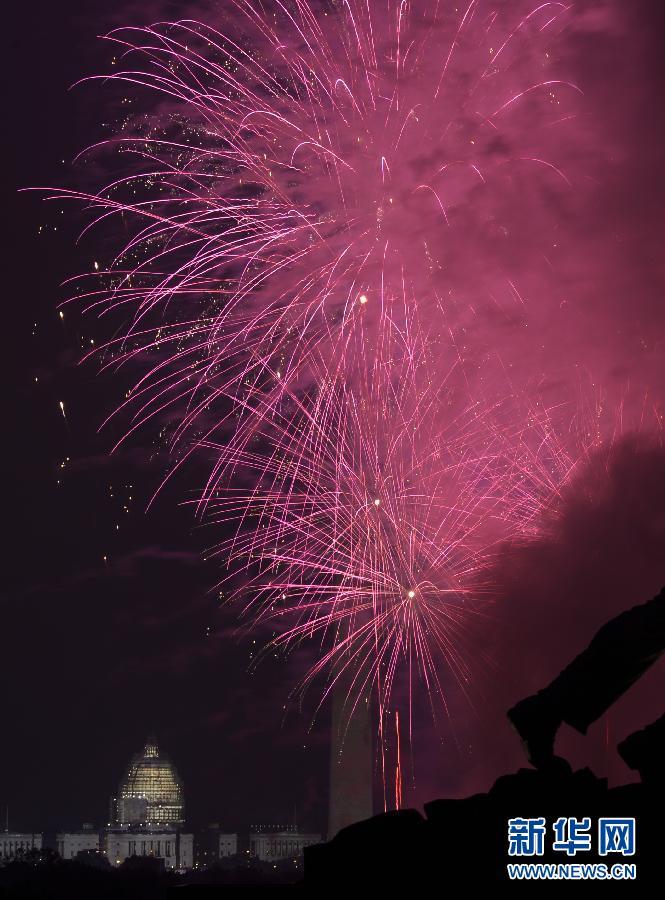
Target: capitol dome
(151, 791)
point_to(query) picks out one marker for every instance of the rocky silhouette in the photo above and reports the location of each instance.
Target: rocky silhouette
(617, 656)
(467, 842)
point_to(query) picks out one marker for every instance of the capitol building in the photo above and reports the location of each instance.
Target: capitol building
(150, 793)
(147, 819)
(149, 813)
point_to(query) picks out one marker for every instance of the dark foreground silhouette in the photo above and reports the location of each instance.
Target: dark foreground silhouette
(42, 875)
(465, 843)
(619, 654)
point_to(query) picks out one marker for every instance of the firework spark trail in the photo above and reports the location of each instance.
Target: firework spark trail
(303, 296)
(317, 255)
(378, 542)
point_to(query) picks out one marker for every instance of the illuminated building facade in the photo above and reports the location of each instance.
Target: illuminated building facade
(228, 845)
(277, 844)
(70, 843)
(13, 844)
(174, 847)
(149, 813)
(151, 792)
(212, 845)
(280, 845)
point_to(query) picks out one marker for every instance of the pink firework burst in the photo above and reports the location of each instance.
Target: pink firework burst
(326, 282)
(369, 514)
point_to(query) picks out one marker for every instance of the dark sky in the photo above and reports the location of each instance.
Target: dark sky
(108, 629)
(97, 655)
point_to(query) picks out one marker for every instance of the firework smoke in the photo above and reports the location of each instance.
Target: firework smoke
(330, 287)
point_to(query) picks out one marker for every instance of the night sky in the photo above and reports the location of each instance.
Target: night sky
(109, 629)
(102, 654)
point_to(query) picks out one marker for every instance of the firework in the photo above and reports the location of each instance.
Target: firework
(324, 287)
